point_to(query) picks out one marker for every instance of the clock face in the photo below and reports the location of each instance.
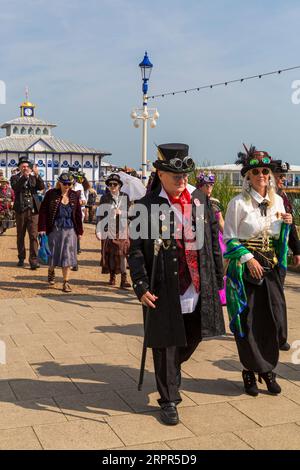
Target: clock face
(28, 112)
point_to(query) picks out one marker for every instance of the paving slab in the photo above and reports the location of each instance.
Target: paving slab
(77, 435)
(28, 413)
(92, 406)
(142, 429)
(28, 389)
(281, 437)
(19, 439)
(215, 418)
(223, 441)
(270, 410)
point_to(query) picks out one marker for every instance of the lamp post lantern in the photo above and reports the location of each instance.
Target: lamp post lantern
(145, 113)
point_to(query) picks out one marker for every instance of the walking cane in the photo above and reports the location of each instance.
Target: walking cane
(157, 245)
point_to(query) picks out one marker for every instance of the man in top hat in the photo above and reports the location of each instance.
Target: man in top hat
(26, 184)
(184, 305)
(280, 171)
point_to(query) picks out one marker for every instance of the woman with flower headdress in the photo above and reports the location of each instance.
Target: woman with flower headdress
(256, 234)
(205, 182)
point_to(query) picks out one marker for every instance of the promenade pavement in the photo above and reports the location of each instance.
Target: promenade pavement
(72, 366)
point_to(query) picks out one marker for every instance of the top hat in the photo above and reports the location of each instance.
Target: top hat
(280, 167)
(114, 177)
(206, 178)
(253, 159)
(66, 178)
(174, 158)
(24, 159)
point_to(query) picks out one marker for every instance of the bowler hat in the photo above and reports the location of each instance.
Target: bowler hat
(114, 177)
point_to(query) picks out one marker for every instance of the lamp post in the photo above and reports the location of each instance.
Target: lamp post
(145, 113)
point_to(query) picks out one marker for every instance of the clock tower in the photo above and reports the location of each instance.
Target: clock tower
(27, 108)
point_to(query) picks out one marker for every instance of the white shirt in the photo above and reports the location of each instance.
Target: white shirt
(244, 220)
(189, 299)
(79, 187)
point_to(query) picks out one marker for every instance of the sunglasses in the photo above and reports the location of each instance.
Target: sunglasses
(66, 184)
(257, 171)
(113, 184)
(281, 177)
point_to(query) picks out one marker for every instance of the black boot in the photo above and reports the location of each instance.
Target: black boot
(169, 414)
(250, 383)
(285, 347)
(270, 379)
(124, 283)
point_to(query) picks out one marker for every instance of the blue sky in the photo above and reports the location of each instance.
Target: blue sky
(80, 60)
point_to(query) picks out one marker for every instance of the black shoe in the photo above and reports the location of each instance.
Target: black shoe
(250, 383)
(285, 347)
(75, 268)
(270, 379)
(33, 267)
(168, 414)
(20, 263)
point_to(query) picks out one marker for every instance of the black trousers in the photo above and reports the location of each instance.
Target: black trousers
(167, 361)
(27, 221)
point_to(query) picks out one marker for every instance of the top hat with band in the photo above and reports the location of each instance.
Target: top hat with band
(253, 159)
(280, 167)
(174, 158)
(66, 178)
(24, 159)
(113, 178)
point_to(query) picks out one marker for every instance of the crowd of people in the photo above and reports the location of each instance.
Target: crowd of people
(241, 262)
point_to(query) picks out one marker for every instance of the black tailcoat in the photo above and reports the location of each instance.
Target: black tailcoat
(166, 326)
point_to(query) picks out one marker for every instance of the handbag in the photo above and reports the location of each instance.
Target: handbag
(44, 250)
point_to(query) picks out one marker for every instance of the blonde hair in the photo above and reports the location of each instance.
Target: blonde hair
(246, 188)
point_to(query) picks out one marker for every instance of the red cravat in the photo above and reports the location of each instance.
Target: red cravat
(187, 259)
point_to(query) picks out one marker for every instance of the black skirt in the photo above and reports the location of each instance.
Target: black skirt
(264, 323)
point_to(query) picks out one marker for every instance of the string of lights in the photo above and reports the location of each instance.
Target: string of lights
(228, 82)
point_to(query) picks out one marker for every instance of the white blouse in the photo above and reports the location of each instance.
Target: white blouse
(244, 220)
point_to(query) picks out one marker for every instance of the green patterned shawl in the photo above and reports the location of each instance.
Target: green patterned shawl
(235, 290)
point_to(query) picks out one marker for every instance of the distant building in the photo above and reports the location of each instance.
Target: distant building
(233, 173)
(33, 137)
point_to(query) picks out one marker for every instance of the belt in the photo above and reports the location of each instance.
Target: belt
(262, 247)
(259, 244)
